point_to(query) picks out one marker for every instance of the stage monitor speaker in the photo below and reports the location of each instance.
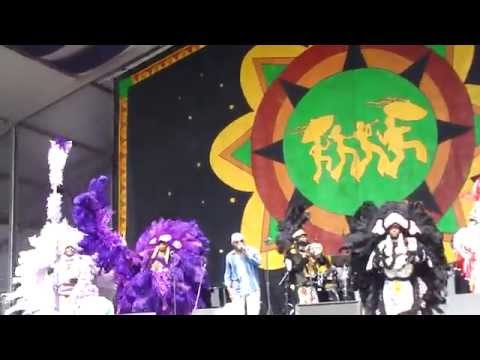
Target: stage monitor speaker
(462, 304)
(330, 308)
(218, 297)
(217, 311)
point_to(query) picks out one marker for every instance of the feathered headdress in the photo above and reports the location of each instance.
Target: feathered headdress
(367, 227)
(34, 293)
(466, 243)
(295, 219)
(138, 288)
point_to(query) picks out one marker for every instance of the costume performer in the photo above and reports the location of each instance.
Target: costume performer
(303, 260)
(316, 265)
(326, 276)
(398, 261)
(51, 277)
(166, 272)
(466, 243)
(301, 278)
(241, 277)
(294, 262)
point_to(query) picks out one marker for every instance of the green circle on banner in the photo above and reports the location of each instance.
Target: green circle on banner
(361, 135)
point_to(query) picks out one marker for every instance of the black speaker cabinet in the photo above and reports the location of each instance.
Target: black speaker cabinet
(218, 297)
(330, 308)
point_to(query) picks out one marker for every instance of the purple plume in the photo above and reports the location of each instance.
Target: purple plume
(139, 289)
(63, 143)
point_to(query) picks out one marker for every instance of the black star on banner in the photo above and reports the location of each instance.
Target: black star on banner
(273, 152)
(475, 177)
(298, 199)
(473, 76)
(294, 92)
(414, 73)
(448, 130)
(355, 59)
(423, 194)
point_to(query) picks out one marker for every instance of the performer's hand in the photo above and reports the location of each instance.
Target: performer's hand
(378, 260)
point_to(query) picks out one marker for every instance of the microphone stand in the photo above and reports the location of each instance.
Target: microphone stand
(174, 286)
(267, 281)
(284, 283)
(204, 267)
(174, 296)
(284, 278)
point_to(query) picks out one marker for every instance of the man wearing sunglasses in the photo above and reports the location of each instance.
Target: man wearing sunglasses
(241, 277)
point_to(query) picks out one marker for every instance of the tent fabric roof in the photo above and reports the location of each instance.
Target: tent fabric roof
(49, 90)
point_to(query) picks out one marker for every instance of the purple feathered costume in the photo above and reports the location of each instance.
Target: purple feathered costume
(139, 289)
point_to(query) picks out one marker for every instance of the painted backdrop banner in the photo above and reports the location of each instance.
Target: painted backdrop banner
(231, 135)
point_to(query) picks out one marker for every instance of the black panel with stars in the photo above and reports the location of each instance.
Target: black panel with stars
(173, 119)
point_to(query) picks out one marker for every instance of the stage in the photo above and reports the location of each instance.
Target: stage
(461, 304)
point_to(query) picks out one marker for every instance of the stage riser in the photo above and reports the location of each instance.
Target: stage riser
(333, 308)
(218, 311)
(464, 304)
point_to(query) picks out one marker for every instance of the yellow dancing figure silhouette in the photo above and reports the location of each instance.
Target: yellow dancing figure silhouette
(316, 152)
(342, 151)
(394, 137)
(363, 133)
(314, 133)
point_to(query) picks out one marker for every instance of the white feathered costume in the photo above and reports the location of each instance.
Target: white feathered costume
(42, 270)
(466, 243)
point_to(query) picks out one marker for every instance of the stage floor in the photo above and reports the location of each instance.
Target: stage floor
(461, 304)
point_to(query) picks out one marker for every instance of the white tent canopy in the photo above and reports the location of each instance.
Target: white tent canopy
(55, 90)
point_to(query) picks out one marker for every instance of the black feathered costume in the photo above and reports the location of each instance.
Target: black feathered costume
(375, 257)
(295, 219)
(286, 245)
